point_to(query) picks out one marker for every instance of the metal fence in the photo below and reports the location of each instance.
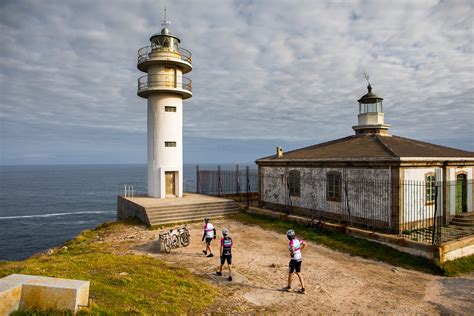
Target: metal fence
(363, 202)
(223, 182)
(414, 210)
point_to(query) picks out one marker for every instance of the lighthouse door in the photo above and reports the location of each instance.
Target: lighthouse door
(170, 183)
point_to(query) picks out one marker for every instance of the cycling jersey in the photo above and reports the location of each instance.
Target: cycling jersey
(296, 244)
(209, 230)
(226, 244)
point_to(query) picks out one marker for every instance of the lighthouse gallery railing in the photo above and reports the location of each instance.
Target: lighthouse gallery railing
(164, 81)
(144, 53)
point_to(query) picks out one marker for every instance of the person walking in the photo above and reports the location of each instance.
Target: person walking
(295, 246)
(226, 252)
(209, 235)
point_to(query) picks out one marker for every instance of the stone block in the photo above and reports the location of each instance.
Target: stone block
(10, 296)
(42, 293)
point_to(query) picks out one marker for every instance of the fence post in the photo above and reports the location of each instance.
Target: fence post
(347, 202)
(237, 180)
(435, 236)
(219, 183)
(248, 184)
(197, 179)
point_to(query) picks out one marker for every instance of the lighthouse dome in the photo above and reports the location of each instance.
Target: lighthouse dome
(370, 97)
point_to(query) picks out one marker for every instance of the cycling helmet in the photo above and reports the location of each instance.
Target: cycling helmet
(290, 234)
(225, 232)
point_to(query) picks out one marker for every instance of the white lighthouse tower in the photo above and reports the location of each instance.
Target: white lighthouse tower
(165, 88)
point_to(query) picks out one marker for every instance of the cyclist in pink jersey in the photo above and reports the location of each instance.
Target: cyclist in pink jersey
(226, 252)
(295, 246)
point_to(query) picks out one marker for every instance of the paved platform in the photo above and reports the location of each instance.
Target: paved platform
(187, 199)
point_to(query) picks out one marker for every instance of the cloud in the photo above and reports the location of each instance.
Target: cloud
(265, 72)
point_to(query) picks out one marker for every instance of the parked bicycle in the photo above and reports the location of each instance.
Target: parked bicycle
(184, 236)
(170, 240)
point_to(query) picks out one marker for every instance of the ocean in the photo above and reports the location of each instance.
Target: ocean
(43, 206)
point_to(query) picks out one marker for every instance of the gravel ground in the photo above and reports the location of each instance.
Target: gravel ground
(336, 283)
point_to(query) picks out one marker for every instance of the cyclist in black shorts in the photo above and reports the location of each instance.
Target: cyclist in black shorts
(209, 234)
(226, 252)
(295, 246)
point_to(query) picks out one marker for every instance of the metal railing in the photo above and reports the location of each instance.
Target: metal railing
(221, 182)
(164, 81)
(414, 210)
(146, 53)
(239, 185)
(132, 189)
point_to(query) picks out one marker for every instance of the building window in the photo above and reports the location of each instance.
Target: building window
(170, 109)
(170, 144)
(294, 183)
(333, 186)
(430, 183)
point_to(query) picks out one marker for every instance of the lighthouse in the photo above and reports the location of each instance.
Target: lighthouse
(164, 87)
(371, 116)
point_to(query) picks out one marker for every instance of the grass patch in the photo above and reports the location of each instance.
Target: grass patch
(345, 243)
(459, 266)
(120, 284)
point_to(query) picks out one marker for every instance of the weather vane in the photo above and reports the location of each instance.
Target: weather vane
(366, 76)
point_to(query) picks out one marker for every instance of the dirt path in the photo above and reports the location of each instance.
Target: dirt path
(336, 283)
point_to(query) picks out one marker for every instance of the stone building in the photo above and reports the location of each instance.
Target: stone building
(390, 182)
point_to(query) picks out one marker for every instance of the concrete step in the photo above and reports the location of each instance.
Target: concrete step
(201, 213)
(184, 219)
(463, 219)
(466, 214)
(189, 207)
(464, 224)
(170, 207)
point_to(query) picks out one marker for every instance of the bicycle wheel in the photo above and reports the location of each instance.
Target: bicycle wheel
(174, 241)
(184, 239)
(167, 245)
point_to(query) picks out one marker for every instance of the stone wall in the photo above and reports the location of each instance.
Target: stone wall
(368, 192)
(127, 209)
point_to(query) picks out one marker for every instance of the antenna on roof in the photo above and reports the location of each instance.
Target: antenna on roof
(366, 76)
(165, 21)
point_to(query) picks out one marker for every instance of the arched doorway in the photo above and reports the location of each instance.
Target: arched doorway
(461, 193)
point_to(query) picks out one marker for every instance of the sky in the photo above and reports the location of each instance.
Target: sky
(265, 73)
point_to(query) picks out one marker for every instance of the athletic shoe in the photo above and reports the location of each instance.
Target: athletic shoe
(210, 255)
(230, 278)
(204, 252)
(219, 273)
(302, 290)
(287, 288)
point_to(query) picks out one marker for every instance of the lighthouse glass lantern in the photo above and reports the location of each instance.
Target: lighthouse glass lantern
(370, 102)
(371, 116)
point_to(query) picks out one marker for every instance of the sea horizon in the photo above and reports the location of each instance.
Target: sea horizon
(45, 205)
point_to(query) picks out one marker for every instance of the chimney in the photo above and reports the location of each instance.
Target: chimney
(279, 152)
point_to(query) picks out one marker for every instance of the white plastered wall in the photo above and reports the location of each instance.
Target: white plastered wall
(164, 127)
(415, 208)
